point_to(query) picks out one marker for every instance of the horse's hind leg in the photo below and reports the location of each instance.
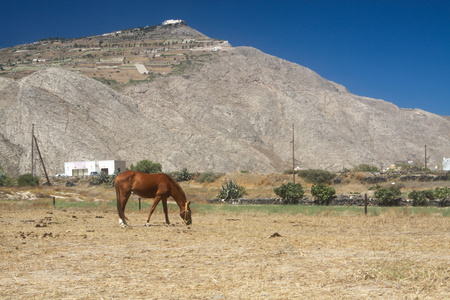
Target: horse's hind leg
(123, 199)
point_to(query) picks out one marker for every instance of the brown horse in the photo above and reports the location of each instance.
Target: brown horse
(159, 186)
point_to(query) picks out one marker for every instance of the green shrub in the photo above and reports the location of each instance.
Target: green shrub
(5, 180)
(441, 193)
(317, 176)
(419, 198)
(365, 168)
(208, 177)
(102, 178)
(231, 190)
(291, 193)
(388, 196)
(27, 180)
(323, 193)
(146, 166)
(183, 175)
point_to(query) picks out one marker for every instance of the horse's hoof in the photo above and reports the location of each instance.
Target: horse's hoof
(147, 224)
(124, 225)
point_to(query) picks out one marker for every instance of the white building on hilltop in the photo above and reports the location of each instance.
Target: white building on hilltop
(171, 22)
(446, 164)
(85, 168)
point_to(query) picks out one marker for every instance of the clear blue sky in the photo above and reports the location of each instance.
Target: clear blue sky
(394, 50)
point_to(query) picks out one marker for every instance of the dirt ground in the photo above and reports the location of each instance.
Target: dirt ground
(77, 253)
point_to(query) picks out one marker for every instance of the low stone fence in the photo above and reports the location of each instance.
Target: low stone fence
(341, 200)
(381, 178)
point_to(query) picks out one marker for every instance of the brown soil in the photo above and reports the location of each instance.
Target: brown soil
(83, 254)
(77, 253)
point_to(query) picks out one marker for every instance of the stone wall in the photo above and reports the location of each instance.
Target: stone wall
(341, 200)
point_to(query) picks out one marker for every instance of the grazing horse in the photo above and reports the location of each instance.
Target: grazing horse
(159, 186)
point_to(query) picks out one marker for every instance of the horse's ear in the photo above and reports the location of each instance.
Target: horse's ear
(189, 202)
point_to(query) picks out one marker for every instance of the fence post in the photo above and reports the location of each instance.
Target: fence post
(54, 202)
(139, 203)
(365, 204)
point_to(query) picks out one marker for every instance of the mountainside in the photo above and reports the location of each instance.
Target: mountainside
(223, 111)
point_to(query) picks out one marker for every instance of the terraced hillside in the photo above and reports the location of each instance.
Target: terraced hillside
(137, 54)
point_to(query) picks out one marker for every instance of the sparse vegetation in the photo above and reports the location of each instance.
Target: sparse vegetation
(208, 177)
(317, 176)
(365, 168)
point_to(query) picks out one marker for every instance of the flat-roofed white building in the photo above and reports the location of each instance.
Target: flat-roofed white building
(446, 164)
(84, 168)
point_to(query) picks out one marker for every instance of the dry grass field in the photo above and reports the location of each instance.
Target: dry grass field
(76, 252)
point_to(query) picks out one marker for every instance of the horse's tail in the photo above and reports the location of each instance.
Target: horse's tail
(120, 209)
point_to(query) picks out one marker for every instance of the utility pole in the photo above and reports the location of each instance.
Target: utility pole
(42, 161)
(32, 149)
(293, 155)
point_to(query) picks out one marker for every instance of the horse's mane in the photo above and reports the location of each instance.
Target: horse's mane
(180, 190)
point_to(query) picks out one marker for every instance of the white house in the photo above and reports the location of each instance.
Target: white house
(84, 168)
(171, 22)
(446, 164)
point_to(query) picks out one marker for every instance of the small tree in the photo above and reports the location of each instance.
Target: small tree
(419, 198)
(441, 193)
(146, 166)
(323, 193)
(231, 190)
(388, 196)
(291, 193)
(27, 180)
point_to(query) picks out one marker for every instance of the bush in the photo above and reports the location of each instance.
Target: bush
(365, 168)
(419, 198)
(323, 193)
(27, 180)
(388, 196)
(441, 193)
(183, 175)
(231, 190)
(317, 176)
(291, 193)
(4, 179)
(146, 166)
(208, 177)
(102, 178)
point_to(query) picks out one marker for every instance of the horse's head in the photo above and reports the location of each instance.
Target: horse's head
(186, 214)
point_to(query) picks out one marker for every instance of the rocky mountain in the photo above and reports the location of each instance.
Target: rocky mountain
(209, 108)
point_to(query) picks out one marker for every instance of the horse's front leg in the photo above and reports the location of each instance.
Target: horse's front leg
(152, 209)
(164, 201)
